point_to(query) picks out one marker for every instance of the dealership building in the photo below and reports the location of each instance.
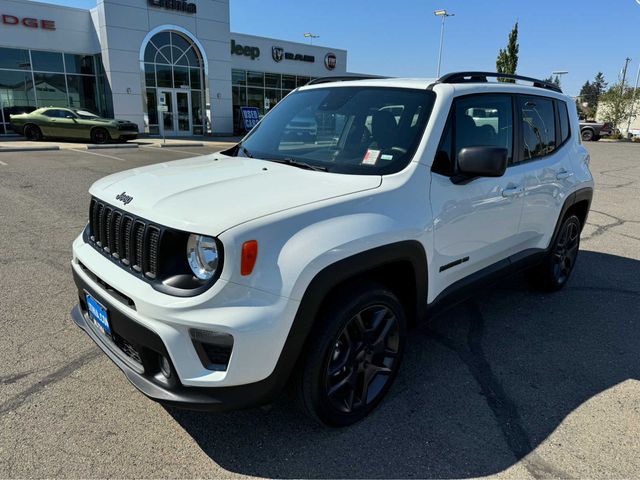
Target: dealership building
(171, 66)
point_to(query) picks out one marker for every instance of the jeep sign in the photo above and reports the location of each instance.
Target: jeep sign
(246, 51)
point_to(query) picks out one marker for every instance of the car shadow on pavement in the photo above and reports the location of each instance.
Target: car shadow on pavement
(481, 386)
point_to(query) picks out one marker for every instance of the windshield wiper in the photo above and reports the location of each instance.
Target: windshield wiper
(246, 152)
(299, 164)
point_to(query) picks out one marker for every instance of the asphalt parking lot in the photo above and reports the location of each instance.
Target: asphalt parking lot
(513, 383)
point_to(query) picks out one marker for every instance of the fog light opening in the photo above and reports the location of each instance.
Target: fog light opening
(213, 348)
(165, 367)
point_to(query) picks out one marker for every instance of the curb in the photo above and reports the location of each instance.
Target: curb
(28, 149)
(115, 145)
(179, 145)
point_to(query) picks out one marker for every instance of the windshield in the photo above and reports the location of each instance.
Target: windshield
(358, 130)
(86, 115)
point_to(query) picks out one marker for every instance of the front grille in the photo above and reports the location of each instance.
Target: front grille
(131, 241)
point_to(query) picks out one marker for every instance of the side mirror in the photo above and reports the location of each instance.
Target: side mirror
(481, 162)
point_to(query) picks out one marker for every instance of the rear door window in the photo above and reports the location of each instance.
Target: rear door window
(538, 127)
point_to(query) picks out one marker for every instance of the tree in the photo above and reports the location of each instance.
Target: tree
(615, 105)
(507, 61)
(555, 81)
(590, 94)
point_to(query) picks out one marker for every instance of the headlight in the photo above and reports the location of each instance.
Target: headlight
(202, 254)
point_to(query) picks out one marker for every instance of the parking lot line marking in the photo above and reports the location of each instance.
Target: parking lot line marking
(2, 163)
(98, 154)
(177, 150)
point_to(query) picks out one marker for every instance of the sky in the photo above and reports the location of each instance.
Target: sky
(401, 37)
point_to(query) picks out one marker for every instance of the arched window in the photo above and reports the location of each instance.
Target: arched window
(173, 61)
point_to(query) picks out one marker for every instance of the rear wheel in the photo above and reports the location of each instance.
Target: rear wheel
(33, 132)
(354, 356)
(555, 270)
(587, 135)
(100, 136)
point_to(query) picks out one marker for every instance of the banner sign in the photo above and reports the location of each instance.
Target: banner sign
(250, 117)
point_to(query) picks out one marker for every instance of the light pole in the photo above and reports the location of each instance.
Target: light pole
(444, 14)
(311, 36)
(633, 103)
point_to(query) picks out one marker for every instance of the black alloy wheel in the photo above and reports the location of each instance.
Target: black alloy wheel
(33, 132)
(360, 366)
(565, 252)
(353, 354)
(100, 136)
(554, 272)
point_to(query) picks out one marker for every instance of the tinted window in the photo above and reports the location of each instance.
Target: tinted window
(344, 129)
(475, 121)
(47, 61)
(55, 113)
(79, 64)
(538, 127)
(51, 89)
(564, 121)
(14, 58)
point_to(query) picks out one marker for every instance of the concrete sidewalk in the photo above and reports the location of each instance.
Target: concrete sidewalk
(21, 144)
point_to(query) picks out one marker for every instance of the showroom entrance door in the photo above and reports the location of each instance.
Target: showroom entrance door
(176, 121)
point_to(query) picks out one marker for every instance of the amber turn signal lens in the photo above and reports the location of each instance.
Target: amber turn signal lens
(249, 257)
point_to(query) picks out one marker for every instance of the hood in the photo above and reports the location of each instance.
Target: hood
(213, 193)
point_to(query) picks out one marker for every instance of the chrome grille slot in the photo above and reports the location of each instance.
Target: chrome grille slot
(137, 238)
(97, 215)
(127, 223)
(117, 235)
(108, 235)
(154, 244)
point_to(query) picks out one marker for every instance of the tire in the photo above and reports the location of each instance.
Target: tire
(33, 132)
(354, 356)
(587, 135)
(554, 272)
(100, 136)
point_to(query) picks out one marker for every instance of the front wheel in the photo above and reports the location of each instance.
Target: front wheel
(100, 136)
(554, 272)
(354, 356)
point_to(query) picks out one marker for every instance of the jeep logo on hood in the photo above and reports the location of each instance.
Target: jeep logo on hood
(124, 198)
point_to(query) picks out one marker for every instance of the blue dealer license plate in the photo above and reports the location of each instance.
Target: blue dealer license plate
(98, 314)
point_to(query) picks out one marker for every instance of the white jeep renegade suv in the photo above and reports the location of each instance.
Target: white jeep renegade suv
(214, 281)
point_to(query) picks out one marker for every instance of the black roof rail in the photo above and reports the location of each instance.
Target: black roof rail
(481, 77)
(343, 78)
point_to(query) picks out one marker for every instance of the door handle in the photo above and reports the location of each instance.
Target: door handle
(512, 192)
(563, 175)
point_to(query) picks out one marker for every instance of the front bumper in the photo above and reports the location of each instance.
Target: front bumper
(144, 372)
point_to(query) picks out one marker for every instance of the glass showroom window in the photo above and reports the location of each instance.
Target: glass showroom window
(261, 90)
(30, 79)
(172, 61)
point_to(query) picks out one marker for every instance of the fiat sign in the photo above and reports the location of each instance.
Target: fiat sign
(330, 61)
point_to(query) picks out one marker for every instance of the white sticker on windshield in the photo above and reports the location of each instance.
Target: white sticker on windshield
(371, 157)
(386, 157)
